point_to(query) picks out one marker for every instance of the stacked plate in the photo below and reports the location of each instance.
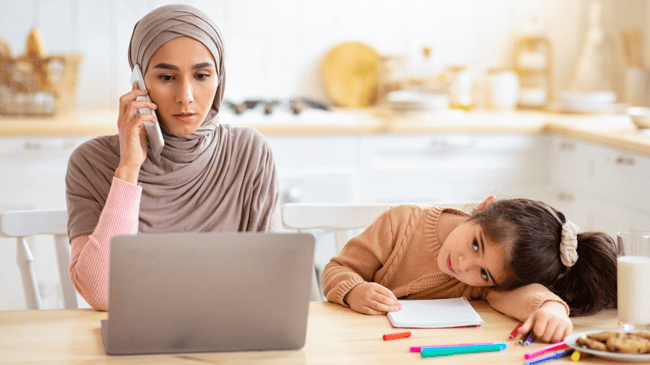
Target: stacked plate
(405, 100)
(591, 102)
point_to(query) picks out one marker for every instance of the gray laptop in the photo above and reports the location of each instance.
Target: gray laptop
(208, 292)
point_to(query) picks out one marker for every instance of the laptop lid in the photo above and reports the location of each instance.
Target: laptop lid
(208, 292)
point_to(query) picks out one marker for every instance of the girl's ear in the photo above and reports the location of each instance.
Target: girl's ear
(484, 204)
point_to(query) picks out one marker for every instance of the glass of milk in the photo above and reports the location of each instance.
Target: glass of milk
(633, 252)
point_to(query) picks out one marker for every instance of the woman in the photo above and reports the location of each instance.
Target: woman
(209, 176)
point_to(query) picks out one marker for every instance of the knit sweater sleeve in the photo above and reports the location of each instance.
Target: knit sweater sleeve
(89, 262)
(361, 257)
(520, 303)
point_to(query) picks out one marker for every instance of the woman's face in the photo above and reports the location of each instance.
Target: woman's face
(471, 258)
(182, 81)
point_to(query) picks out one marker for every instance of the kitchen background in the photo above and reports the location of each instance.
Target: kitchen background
(275, 50)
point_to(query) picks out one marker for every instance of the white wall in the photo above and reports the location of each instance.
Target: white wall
(274, 48)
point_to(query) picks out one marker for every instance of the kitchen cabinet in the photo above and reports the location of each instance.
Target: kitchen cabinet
(317, 169)
(600, 188)
(453, 167)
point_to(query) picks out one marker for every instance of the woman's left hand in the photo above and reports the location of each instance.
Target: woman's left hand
(551, 322)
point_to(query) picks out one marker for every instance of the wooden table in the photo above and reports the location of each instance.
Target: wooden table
(335, 335)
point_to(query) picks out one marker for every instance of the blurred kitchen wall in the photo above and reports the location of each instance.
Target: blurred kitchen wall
(274, 47)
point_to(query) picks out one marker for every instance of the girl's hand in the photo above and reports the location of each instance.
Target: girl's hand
(133, 137)
(550, 323)
(372, 298)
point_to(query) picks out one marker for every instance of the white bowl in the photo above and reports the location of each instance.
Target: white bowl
(640, 116)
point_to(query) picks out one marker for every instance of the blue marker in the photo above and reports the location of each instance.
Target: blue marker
(553, 356)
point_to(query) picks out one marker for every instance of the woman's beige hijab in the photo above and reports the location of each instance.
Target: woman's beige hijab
(219, 178)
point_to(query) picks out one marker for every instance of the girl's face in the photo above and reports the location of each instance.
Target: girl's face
(471, 258)
(182, 81)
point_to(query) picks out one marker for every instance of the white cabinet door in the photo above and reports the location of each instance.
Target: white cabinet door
(621, 177)
(600, 188)
(571, 171)
(453, 167)
(316, 169)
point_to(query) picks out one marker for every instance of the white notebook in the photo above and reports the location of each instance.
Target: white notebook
(435, 313)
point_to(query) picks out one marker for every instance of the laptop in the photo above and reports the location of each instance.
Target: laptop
(208, 292)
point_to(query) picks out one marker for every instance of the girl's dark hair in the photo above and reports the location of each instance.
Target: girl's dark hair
(534, 235)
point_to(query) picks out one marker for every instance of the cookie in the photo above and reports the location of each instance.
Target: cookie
(601, 336)
(645, 335)
(627, 343)
(592, 344)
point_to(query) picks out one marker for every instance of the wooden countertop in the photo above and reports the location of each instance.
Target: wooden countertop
(615, 131)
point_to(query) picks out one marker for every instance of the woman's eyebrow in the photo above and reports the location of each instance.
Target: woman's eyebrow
(167, 66)
(202, 65)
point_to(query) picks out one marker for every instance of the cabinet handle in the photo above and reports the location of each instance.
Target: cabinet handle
(32, 145)
(621, 160)
(292, 194)
(451, 142)
(565, 197)
(566, 146)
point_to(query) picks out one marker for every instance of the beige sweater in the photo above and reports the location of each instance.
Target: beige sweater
(399, 250)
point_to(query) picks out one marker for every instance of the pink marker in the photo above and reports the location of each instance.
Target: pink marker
(556, 346)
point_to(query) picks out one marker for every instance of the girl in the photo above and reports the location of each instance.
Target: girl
(209, 177)
(520, 255)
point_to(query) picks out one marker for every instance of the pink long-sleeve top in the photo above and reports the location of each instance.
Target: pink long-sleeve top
(89, 261)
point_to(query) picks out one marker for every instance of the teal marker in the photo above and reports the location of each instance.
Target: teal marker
(467, 349)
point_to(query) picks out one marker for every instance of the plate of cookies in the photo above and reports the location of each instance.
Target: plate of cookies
(632, 346)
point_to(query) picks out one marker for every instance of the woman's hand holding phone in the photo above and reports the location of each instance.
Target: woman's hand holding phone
(133, 136)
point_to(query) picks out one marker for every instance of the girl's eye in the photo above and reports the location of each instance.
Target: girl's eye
(165, 77)
(484, 274)
(475, 245)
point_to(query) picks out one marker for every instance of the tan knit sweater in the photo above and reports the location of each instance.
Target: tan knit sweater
(399, 250)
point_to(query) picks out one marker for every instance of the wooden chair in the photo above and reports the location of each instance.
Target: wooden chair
(21, 224)
(344, 220)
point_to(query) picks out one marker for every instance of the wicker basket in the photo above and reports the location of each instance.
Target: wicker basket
(38, 86)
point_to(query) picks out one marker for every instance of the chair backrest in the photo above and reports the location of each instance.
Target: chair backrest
(24, 223)
(341, 219)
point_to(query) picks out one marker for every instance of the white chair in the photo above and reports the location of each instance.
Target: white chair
(341, 219)
(20, 224)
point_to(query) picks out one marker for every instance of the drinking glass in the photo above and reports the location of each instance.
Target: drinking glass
(633, 257)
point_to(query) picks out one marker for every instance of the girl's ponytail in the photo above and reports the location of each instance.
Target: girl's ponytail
(590, 284)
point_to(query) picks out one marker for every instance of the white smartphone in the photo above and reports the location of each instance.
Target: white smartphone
(153, 129)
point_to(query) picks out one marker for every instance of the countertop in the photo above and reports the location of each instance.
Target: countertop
(611, 130)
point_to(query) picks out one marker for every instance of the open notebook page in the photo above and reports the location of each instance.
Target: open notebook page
(435, 313)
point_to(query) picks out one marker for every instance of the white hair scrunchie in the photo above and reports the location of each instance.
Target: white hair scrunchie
(569, 244)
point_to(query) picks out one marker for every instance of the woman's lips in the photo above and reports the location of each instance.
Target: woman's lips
(185, 118)
(449, 264)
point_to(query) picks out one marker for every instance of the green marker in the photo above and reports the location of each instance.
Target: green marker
(455, 350)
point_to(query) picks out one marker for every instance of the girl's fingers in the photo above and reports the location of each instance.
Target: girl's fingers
(527, 325)
(381, 307)
(371, 311)
(384, 303)
(388, 294)
(559, 334)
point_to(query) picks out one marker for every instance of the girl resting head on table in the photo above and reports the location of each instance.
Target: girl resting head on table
(209, 177)
(522, 256)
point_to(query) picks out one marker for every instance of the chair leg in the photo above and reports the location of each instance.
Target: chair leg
(25, 261)
(63, 256)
